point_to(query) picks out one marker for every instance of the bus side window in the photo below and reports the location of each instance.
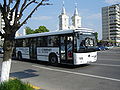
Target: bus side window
(75, 44)
(25, 43)
(50, 41)
(53, 41)
(69, 47)
(19, 43)
(38, 41)
(42, 41)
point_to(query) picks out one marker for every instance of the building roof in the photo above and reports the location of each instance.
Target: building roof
(76, 10)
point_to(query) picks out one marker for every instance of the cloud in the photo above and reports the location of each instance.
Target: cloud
(41, 18)
(112, 1)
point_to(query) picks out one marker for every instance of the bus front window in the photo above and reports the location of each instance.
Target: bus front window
(85, 43)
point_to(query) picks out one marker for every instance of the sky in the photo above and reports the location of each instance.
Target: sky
(89, 10)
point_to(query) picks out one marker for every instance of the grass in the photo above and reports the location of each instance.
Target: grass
(15, 84)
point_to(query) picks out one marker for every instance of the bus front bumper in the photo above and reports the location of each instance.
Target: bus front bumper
(84, 58)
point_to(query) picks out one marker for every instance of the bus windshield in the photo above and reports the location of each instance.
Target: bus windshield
(85, 42)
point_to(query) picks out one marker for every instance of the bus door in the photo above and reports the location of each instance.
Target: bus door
(66, 49)
(33, 49)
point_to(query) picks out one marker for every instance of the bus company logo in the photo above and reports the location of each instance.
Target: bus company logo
(81, 58)
(94, 56)
(46, 50)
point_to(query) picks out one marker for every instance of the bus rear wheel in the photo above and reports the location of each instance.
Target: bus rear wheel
(53, 59)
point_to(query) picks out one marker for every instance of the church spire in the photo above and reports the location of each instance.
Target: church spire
(76, 10)
(76, 19)
(63, 19)
(63, 9)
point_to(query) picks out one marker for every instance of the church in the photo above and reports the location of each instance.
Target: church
(64, 20)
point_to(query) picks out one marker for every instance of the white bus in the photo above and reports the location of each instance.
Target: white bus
(73, 47)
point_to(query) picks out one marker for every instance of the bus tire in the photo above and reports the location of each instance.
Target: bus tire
(53, 59)
(19, 56)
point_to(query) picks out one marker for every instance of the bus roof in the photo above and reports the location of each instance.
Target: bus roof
(82, 30)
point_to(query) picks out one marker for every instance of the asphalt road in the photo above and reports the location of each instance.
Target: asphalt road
(102, 75)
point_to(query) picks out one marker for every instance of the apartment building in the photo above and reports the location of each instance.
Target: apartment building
(111, 23)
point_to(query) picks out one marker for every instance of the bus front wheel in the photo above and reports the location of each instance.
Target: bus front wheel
(53, 59)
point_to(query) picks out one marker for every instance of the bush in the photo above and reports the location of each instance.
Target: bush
(15, 84)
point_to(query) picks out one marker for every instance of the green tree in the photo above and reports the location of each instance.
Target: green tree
(41, 29)
(14, 10)
(28, 30)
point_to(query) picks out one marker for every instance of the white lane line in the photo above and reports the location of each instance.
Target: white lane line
(110, 65)
(76, 73)
(109, 60)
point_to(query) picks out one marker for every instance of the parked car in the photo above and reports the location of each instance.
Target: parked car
(100, 48)
(103, 48)
(109, 47)
(106, 48)
(1, 50)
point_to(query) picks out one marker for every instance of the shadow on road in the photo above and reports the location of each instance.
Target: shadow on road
(47, 64)
(24, 74)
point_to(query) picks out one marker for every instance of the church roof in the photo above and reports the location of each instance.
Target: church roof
(63, 9)
(76, 10)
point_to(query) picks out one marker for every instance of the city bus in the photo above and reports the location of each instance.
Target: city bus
(72, 47)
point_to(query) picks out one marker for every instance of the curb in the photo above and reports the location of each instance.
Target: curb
(35, 87)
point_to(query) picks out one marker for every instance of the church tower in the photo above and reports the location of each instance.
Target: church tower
(63, 19)
(76, 19)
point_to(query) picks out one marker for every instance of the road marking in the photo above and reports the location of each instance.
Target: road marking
(111, 65)
(76, 73)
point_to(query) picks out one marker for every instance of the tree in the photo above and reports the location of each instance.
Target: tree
(13, 10)
(28, 30)
(41, 29)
